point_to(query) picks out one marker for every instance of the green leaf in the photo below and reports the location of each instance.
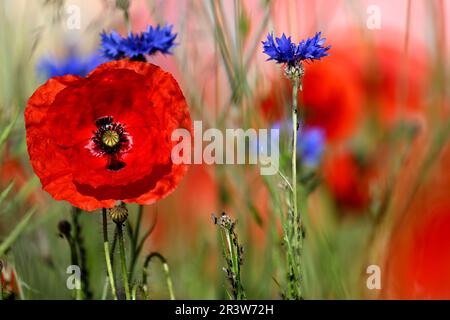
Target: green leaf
(5, 192)
(17, 231)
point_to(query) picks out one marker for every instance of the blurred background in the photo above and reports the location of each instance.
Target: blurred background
(378, 192)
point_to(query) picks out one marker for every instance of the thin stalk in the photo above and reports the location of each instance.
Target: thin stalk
(169, 281)
(140, 244)
(295, 126)
(294, 154)
(78, 244)
(134, 241)
(123, 261)
(109, 268)
(113, 247)
(124, 5)
(296, 227)
(126, 16)
(138, 225)
(1, 283)
(232, 252)
(105, 289)
(166, 272)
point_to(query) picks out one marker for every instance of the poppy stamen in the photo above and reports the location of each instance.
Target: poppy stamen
(110, 140)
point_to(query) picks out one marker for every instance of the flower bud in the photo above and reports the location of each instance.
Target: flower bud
(119, 214)
(64, 228)
(294, 71)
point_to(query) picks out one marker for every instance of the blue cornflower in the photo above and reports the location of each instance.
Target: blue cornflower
(134, 46)
(137, 46)
(311, 145)
(283, 50)
(111, 45)
(73, 63)
(311, 142)
(161, 39)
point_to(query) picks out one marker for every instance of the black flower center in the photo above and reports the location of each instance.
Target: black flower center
(110, 140)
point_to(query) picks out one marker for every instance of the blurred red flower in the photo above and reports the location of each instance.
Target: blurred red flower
(332, 97)
(12, 169)
(183, 218)
(396, 84)
(107, 137)
(349, 180)
(418, 256)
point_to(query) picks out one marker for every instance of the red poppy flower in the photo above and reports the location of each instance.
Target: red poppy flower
(396, 84)
(349, 181)
(419, 257)
(418, 254)
(107, 137)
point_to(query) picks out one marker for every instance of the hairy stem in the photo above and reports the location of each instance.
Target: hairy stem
(233, 255)
(294, 155)
(109, 268)
(123, 261)
(296, 236)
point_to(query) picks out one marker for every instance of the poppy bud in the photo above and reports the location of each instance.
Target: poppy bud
(64, 228)
(119, 214)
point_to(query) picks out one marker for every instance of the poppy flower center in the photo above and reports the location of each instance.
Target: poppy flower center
(110, 140)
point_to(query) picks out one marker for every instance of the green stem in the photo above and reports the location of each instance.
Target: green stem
(78, 244)
(1, 284)
(294, 152)
(113, 247)
(232, 253)
(135, 250)
(296, 228)
(105, 289)
(138, 225)
(108, 256)
(166, 272)
(123, 261)
(126, 16)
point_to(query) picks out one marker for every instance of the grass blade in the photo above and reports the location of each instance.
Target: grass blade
(5, 192)
(6, 132)
(17, 231)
